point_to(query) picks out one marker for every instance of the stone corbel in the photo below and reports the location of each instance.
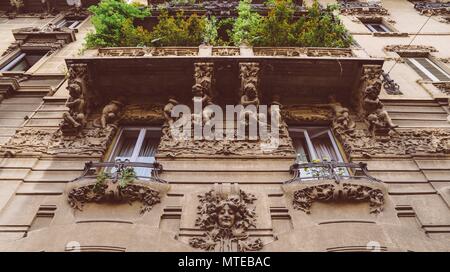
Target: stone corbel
(305, 193)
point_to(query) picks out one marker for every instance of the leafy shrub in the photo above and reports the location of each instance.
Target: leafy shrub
(247, 26)
(114, 22)
(179, 31)
(110, 17)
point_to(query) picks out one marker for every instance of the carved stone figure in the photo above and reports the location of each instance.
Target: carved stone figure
(75, 119)
(200, 96)
(249, 75)
(376, 115)
(250, 97)
(17, 5)
(225, 218)
(203, 75)
(275, 110)
(171, 103)
(111, 113)
(342, 124)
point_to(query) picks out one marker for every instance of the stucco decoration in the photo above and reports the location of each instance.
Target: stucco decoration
(147, 51)
(362, 8)
(225, 219)
(403, 143)
(304, 194)
(91, 142)
(82, 192)
(410, 50)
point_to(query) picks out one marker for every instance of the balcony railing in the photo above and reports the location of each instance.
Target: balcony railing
(114, 169)
(327, 170)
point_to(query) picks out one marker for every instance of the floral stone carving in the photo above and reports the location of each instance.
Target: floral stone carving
(225, 219)
(305, 194)
(110, 191)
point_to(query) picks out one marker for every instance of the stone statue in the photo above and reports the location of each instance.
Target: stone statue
(250, 97)
(200, 96)
(75, 119)
(342, 124)
(376, 115)
(17, 5)
(171, 103)
(111, 113)
(275, 109)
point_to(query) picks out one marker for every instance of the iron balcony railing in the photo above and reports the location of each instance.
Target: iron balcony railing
(115, 168)
(329, 170)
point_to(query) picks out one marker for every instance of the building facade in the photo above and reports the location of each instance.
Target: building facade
(361, 160)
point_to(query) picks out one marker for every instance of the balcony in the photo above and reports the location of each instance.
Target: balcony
(116, 182)
(334, 182)
(337, 171)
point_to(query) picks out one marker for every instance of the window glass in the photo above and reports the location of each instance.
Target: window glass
(138, 145)
(23, 61)
(427, 69)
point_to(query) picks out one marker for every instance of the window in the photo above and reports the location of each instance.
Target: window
(312, 144)
(427, 69)
(69, 23)
(377, 27)
(23, 61)
(138, 145)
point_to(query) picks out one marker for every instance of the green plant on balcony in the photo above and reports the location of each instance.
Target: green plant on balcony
(127, 176)
(115, 25)
(247, 26)
(178, 30)
(319, 28)
(113, 21)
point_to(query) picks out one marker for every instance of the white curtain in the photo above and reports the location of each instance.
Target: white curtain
(324, 149)
(147, 154)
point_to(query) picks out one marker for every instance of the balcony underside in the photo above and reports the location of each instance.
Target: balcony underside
(295, 79)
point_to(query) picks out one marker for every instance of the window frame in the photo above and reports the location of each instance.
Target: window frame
(12, 59)
(425, 71)
(139, 141)
(380, 24)
(311, 150)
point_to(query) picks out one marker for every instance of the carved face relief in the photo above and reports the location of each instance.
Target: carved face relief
(226, 216)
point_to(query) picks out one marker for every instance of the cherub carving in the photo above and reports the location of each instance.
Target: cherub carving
(376, 115)
(110, 114)
(200, 96)
(342, 123)
(75, 118)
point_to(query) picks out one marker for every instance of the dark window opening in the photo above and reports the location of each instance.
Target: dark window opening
(23, 61)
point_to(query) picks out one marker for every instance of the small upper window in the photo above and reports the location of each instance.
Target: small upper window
(23, 61)
(377, 27)
(138, 145)
(69, 23)
(427, 69)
